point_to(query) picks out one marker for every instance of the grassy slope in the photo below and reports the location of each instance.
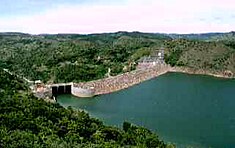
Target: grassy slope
(212, 56)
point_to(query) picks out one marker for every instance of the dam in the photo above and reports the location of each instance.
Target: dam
(116, 83)
(70, 88)
(101, 86)
(63, 88)
(148, 68)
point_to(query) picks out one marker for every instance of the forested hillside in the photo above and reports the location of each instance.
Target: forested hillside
(211, 56)
(26, 122)
(61, 58)
(205, 36)
(74, 57)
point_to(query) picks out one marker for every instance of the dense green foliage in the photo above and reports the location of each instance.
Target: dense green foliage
(209, 51)
(26, 122)
(205, 36)
(213, 56)
(65, 58)
(74, 57)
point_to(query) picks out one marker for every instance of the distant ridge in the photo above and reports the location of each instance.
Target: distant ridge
(14, 33)
(192, 36)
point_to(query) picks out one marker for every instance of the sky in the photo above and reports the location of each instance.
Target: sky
(98, 16)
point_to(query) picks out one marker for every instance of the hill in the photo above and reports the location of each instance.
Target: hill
(76, 57)
(205, 36)
(68, 57)
(211, 56)
(28, 122)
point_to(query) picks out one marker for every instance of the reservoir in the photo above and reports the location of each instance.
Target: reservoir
(188, 110)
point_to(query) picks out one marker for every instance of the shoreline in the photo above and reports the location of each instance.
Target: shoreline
(123, 81)
(200, 72)
(129, 79)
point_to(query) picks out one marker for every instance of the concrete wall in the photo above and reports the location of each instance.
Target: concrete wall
(82, 92)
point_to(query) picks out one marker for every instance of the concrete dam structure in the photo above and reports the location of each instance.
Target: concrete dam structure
(58, 89)
(125, 80)
(116, 83)
(82, 92)
(71, 88)
(110, 84)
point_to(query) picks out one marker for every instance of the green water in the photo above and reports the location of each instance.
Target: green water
(188, 110)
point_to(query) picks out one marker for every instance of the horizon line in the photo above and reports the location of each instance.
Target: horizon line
(76, 33)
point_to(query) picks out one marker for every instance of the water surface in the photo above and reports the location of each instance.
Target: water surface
(189, 110)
